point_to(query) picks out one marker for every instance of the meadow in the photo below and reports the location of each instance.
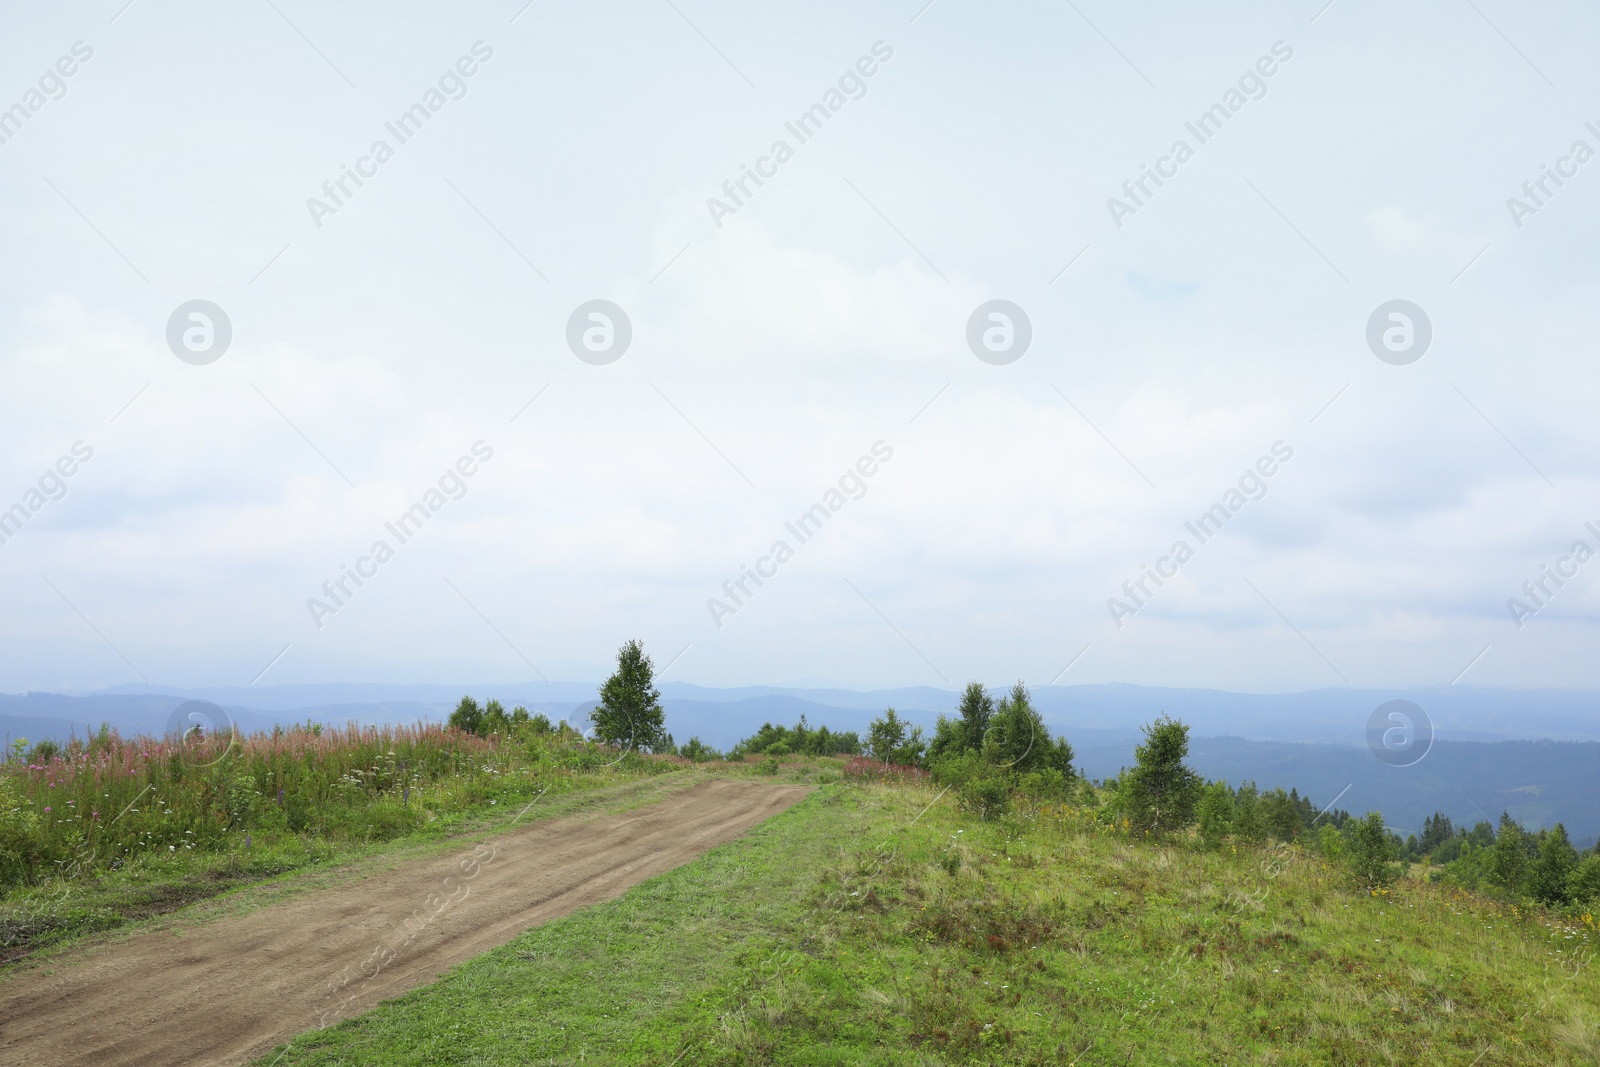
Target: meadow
(973, 910)
(880, 923)
(107, 828)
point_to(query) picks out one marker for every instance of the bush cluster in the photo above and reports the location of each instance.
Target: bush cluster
(986, 752)
(797, 740)
(491, 718)
(1510, 861)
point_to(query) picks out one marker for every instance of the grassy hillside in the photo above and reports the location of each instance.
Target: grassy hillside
(879, 924)
(110, 829)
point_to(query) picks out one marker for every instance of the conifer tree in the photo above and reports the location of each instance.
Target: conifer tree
(629, 713)
(977, 708)
(1160, 793)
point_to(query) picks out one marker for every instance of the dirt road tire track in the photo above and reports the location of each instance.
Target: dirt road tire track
(230, 989)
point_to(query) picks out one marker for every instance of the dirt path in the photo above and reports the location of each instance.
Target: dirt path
(227, 990)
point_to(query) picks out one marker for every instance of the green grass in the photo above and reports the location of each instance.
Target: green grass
(60, 905)
(858, 928)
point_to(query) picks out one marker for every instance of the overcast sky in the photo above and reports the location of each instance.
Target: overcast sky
(1178, 337)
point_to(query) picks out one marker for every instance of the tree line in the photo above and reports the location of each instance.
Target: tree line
(992, 752)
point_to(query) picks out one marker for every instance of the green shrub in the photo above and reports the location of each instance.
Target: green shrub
(799, 738)
(1215, 814)
(698, 751)
(988, 797)
(1044, 784)
(1330, 842)
(1583, 884)
(952, 770)
(1370, 851)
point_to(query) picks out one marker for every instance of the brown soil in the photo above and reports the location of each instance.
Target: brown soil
(226, 990)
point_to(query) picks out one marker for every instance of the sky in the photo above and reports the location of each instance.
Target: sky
(1386, 492)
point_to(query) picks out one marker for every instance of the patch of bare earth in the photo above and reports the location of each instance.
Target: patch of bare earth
(223, 991)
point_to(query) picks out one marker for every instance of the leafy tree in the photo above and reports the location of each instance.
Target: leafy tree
(890, 739)
(1370, 850)
(519, 715)
(1508, 858)
(1248, 823)
(1215, 813)
(1281, 815)
(1547, 880)
(1160, 793)
(629, 712)
(495, 720)
(468, 716)
(540, 723)
(1583, 884)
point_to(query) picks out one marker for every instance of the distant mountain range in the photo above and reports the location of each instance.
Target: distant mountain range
(722, 716)
(1534, 752)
